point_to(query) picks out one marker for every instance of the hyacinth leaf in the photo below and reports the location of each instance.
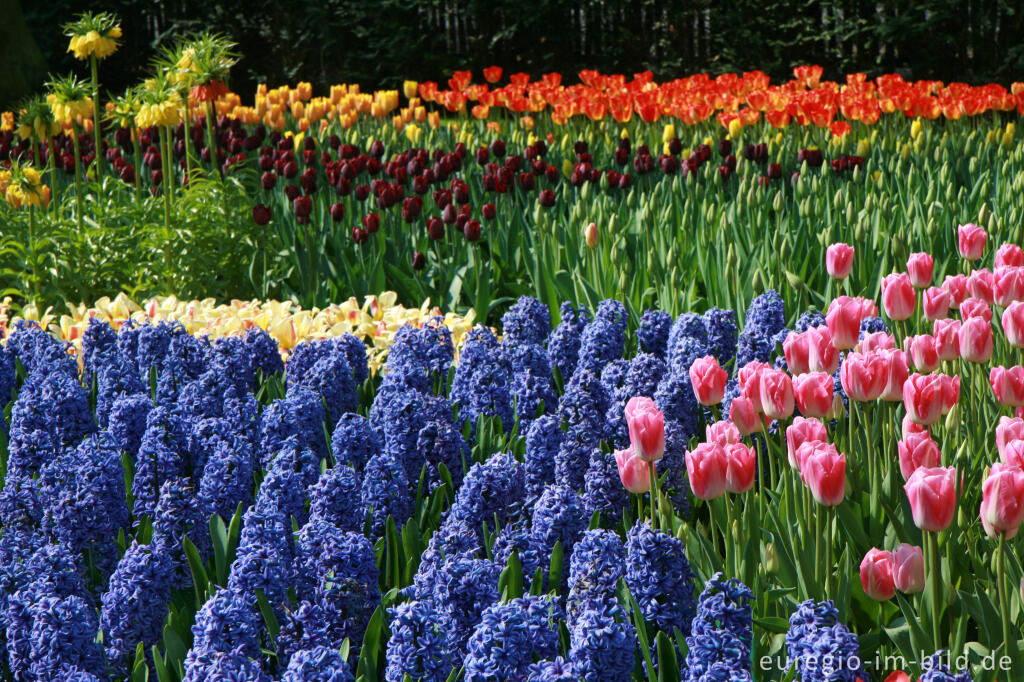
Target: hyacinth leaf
(555, 572)
(455, 675)
(174, 645)
(368, 653)
(200, 581)
(128, 464)
(219, 539)
(345, 649)
(510, 582)
(273, 627)
(140, 671)
(625, 597)
(162, 673)
(668, 665)
(4, 454)
(392, 575)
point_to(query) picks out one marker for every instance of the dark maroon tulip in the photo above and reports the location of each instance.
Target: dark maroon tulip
(472, 230)
(371, 221)
(551, 173)
(266, 162)
(724, 147)
(128, 174)
(442, 197)
(435, 228)
(460, 191)
(261, 214)
(302, 206)
(419, 261)
(625, 181)
(290, 170)
(343, 187)
(526, 181)
(703, 152)
(580, 147)
(774, 171)
(337, 212)
(460, 149)
(487, 211)
(359, 235)
(794, 177)
(730, 161)
(498, 148)
(376, 149)
(460, 221)
(411, 208)
(482, 155)
(724, 172)
(292, 192)
(546, 198)
(675, 146)
(268, 180)
(361, 192)
(448, 214)
(621, 156)
(838, 165)
(156, 177)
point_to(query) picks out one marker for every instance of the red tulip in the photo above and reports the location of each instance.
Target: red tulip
(923, 351)
(864, 375)
(1009, 255)
(492, 74)
(795, 350)
(971, 240)
(803, 430)
(707, 468)
(741, 467)
(776, 389)
(813, 392)
(898, 296)
(261, 214)
(915, 451)
(633, 471)
(839, 260)
(708, 380)
(722, 432)
(920, 267)
(976, 340)
(947, 339)
(932, 495)
(646, 428)
(337, 212)
(823, 469)
(1013, 324)
(1002, 501)
(908, 568)
(1007, 385)
(927, 397)
(744, 416)
(876, 575)
(936, 301)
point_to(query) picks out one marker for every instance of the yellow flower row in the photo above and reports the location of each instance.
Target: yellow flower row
(377, 319)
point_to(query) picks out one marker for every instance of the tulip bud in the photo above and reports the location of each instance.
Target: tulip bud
(590, 234)
(771, 561)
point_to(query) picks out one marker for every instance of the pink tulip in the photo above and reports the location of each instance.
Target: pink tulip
(741, 461)
(1013, 453)
(956, 285)
(1013, 324)
(749, 378)
(935, 302)
(823, 469)
(920, 267)
(844, 317)
(1007, 385)
(822, 355)
(971, 240)
(896, 372)
(981, 284)
(707, 467)
(1009, 255)
(708, 379)
(932, 495)
(776, 394)
(796, 351)
(976, 340)
(916, 451)
(1008, 285)
(1002, 501)
(814, 392)
(927, 397)
(633, 471)
(947, 339)
(975, 307)
(864, 375)
(923, 351)
(910, 427)
(803, 430)
(1009, 429)
(744, 416)
(876, 575)
(839, 260)
(875, 341)
(908, 568)
(646, 428)
(898, 296)
(722, 432)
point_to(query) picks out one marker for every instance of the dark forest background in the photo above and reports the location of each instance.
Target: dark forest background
(377, 43)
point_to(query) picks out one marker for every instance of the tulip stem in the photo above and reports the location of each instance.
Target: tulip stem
(654, 495)
(729, 553)
(935, 579)
(78, 178)
(1004, 608)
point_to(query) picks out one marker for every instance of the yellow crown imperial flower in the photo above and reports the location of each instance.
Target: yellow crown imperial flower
(93, 35)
